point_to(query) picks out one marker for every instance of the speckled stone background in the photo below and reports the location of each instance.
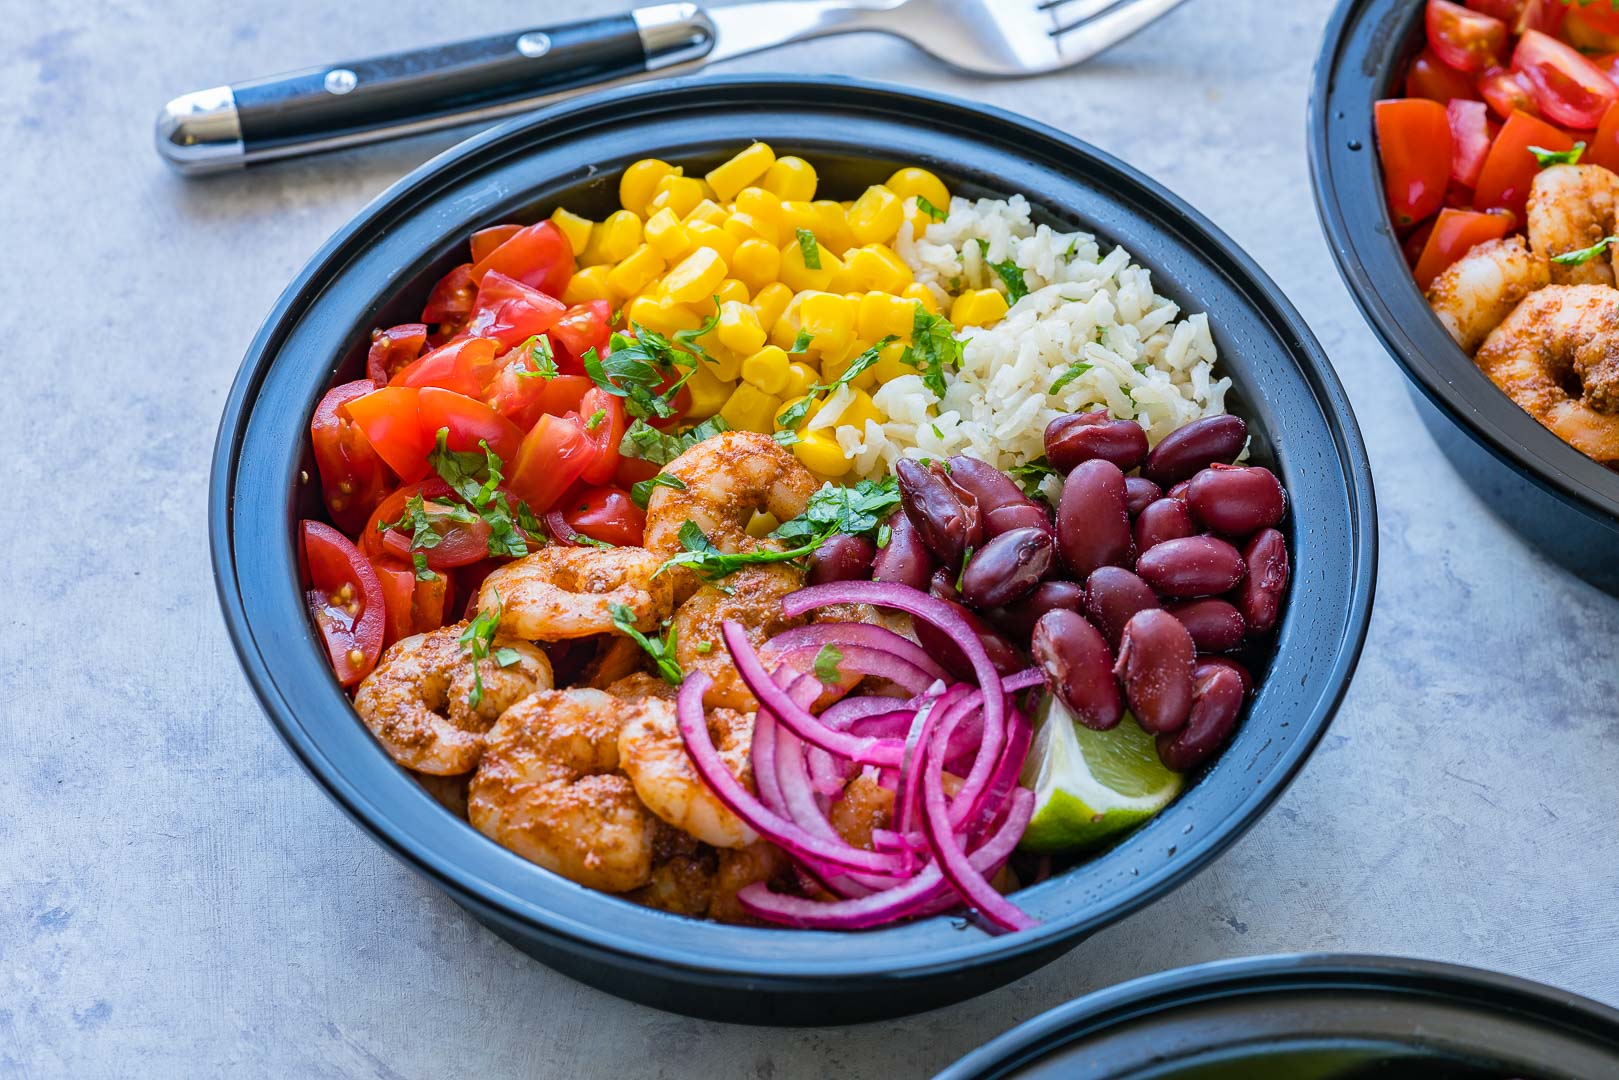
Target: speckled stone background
(176, 898)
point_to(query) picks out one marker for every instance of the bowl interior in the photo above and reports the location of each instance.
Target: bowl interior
(1367, 47)
(378, 271)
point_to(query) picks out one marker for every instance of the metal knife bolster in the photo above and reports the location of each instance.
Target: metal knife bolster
(348, 104)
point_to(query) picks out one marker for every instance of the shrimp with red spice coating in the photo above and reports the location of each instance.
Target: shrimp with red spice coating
(559, 593)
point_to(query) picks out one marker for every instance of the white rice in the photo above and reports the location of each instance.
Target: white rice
(1147, 363)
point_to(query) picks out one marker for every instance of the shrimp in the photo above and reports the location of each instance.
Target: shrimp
(417, 701)
(654, 757)
(1481, 288)
(1557, 356)
(752, 596)
(562, 592)
(864, 806)
(449, 791)
(1571, 207)
(548, 788)
(683, 873)
(642, 685)
(727, 479)
(738, 869)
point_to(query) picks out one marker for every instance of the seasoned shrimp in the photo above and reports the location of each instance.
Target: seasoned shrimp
(562, 592)
(682, 875)
(752, 596)
(654, 757)
(416, 701)
(865, 805)
(1557, 356)
(640, 684)
(1571, 207)
(740, 868)
(449, 791)
(548, 789)
(1483, 286)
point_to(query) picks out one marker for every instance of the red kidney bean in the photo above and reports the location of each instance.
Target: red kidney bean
(1019, 617)
(904, 559)
(1139, 493)
(1179, 490)
(985, 483)
(842, 558)
(1215, 625)
(1260, 599)
(945, 514)
(1093, 528)
(1166, 519)
(1192, 566)
(1007, 567)
(1198, 445)
(1082, 437)
(1078, 667)
(1216, 704)
(1156, 656)
(1207, 664)
(1113, 595)
(1006, 657)
(1237, 500)
(1024, 515)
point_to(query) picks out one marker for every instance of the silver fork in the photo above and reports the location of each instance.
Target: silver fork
(387, 97)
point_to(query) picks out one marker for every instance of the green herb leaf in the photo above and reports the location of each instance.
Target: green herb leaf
(934, 349)
(794, 415)
(801, 343)
(884, 534)
(418, 560)
(472, 474)
(1548, 158)
(961, 575)
(704, 647)
(858, 510)
(784, 437)
(826, 666)
(507, 657)
(595, 420)
(930, 210)
(1074, 372)
(810, 249)
(540, 355)
(687, 339)
(423, 524)
(1010, 273)
(476, 640)
(641, 490)
(711, 564)
(642, 440)
(1585, 255)
(1030, 473)
(662, 651)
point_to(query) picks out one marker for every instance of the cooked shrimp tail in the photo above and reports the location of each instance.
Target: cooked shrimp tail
(1482, 287)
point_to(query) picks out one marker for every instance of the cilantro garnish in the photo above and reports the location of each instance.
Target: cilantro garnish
(826, 666)
(641, 490)
(595, 420)
(934, 347)
(930, 210)
(711, 564)
(884, 534)
(1010, 273)
(858, 510)
(637, 368)
(476, 639)
(1073, 372)
(801, 343)
(418, 560)
(476, 476)
(810, 249)
(687, 339)
(1030, 473)
(642, 440)
(1585, 255)
(539, 353)
(662, 651)
(794, 416)
(1548, 158)
(423, 523)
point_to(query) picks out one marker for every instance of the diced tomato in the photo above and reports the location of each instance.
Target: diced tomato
(1592, 27)
(605, 433)
(485, 241)
(353, 476)
(606, 514)
(1568, 88)
(521, 397)
(1508, 11)
(345, 599)
(1470, 137)
(510, 312)
(1412, 245)
(1509, 168)
(392, 349)
(1413, 141)
(1603, 148)
(1467, 40)
(390, 423)
(555, 453)
(1507, 92)
(1609, 63)
(1431, 78)
(584, 327)
(538, 256)
(452, 298)
(468, 421)
(465, 365)
(1545, 16)
(467, 581)
(632, 471)
(1455, 233)
(460, 542)
(414, 607)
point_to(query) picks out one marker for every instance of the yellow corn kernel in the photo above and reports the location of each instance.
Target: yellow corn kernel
(784, 332)
(739, 328)
(708, 392)
(889, 364)
(612, 240)
(762, 524)
(821, 454)
(833, 229)
(751, 409)
(860, 409)
(876, 216)
(910, 182)
(666, 235)
(978, 307)
(740, 171)
(732, 289)
(882, 314)
(833, 367)
(696, 277)
(829, 319)
(639, 183)
(885, 267)
(756, 263)
(575, 228)
(702, 234)
(588, 284)
(800, 377)
(797, 214)
(727, 365)
(661, 314)
(635, 272)
(771, 300)
(768, 369)
(760, 204)
(790, 178)
(797, 275)
(922, 295)
(707, 211)
(682, 194)
(746, 226)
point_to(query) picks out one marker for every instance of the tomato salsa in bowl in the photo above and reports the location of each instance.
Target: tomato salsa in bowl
(383, 268)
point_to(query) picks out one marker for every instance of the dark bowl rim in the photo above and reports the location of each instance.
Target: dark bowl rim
(1471, 402)
(1336, 414)
(1254, 975)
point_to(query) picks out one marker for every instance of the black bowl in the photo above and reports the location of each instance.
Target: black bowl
(378, 269)
(1559, 499)
(1311, 1018)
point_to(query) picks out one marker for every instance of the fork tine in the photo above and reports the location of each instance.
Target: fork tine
(1094, 25)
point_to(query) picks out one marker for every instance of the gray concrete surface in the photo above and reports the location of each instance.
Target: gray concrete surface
(176, 898)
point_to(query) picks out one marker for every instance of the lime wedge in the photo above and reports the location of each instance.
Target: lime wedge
(1089, 786)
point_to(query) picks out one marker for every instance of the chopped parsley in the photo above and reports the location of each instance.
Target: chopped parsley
(1010, 273)
(801, 343)
(476, 476)
(641, 490)
(637, 368)
(642, 440)
(1030, 474)
(930, 210)
(539, 353)
(1585, 255)
(595, 420)
(687, 339)
(826, 666)
(933, 349)
(422, 523)
(810, 249)
(476, 639)
(418, 560)
(711, 564)
(1548, 158)
(1073, 372)
(662, 651)
(858, 510)
(794, 416)
(704, 647)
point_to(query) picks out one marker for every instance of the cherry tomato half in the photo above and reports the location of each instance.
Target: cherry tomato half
(353, 476)
(393, 349)
(459, 543)
(1454, 234)
(555, 452)
(452, 298)
(1470, 136)
(1604, 147)
(1507, 92)
(389, 419)
(1467, 40)
(584, 327)
(485, 241)
(1508, 11)
(522, 398)
(1568, 88)
(606, 514)
(1413, 141)
(510, 312)
(413, 607)
(1432, 78)
(465, 366)
(539, 256)
(345, 599)
(605, 433)
(468, 421)
(1509, 168)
